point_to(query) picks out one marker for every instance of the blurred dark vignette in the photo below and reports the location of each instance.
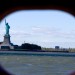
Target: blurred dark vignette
(9, 6)
(3, 71)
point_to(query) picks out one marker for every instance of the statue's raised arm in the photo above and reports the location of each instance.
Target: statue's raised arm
(7, 28)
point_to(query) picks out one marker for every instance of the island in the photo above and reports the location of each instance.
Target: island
(7, 45)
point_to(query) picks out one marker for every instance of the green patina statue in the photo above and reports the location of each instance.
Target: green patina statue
(7, 28)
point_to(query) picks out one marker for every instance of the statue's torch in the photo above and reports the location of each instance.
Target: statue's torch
(5, 21)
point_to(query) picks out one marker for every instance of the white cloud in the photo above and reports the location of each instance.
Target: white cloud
(42, 34)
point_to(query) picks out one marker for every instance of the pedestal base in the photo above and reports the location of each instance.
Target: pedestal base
(7, 43)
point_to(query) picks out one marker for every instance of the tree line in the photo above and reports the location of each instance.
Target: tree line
(28, 46)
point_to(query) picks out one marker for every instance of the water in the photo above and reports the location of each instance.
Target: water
(37, 65)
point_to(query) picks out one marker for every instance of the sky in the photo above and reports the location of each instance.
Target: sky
(46, 28)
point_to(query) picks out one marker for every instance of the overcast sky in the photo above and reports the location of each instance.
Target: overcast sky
(47, 28)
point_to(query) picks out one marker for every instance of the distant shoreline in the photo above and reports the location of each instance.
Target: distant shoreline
(30, 53)
(25, 50)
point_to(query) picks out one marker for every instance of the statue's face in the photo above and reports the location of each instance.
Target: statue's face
(6, 23)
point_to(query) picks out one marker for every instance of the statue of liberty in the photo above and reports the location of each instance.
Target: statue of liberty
(7, 28)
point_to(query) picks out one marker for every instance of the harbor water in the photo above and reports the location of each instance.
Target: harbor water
(37, 65)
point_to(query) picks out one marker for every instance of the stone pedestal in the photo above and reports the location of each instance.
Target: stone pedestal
(6, 44)
(7, 39)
